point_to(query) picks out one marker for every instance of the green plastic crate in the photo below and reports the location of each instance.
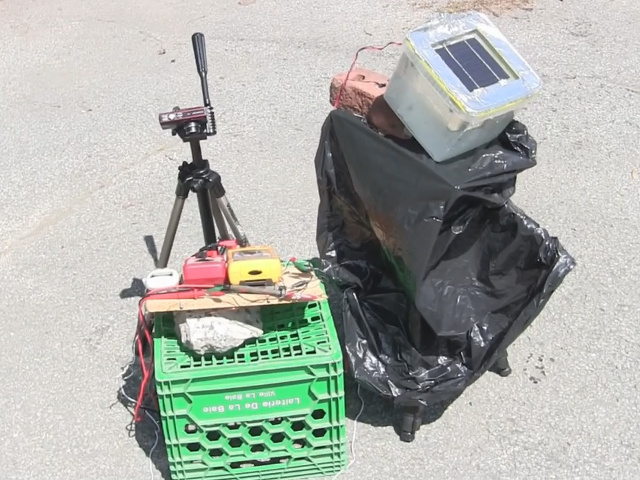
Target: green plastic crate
(272, 409)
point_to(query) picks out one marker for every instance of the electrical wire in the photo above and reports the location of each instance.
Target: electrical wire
(336, 103)
(144, 333)
(146, 372)
(155, 422)
(353, 439)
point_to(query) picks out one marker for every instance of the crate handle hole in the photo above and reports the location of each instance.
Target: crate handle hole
(255, 463)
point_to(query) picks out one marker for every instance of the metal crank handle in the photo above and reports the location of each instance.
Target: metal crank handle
(200, 53)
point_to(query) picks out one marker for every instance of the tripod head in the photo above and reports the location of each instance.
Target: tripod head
(195, 123)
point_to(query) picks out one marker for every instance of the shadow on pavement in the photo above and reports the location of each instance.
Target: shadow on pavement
(137, 288)
(148, 431)
(379, 411)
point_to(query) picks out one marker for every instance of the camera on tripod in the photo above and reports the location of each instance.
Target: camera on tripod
(194, 125)
(189, 123)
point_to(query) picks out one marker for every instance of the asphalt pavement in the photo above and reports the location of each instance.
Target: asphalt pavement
(87, 173)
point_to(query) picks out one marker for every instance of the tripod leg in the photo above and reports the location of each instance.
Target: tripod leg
(206, 217)
(172, 228)
(234, 224)
(219, 219)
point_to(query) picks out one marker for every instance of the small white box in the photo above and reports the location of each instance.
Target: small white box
(458, 84)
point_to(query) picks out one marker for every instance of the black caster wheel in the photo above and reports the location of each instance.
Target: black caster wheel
(410, 423)
(501, 365)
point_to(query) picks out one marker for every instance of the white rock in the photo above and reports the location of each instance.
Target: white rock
(217, 331)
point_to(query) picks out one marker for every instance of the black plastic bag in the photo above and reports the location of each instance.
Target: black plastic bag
(435, 271)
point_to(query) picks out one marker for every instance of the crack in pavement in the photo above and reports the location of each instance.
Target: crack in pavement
(61, 213)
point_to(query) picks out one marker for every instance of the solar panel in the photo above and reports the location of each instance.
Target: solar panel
(472, 64)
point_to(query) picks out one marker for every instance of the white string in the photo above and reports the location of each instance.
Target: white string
(155, 443)
(353, 440)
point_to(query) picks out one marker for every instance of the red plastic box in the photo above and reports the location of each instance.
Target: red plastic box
(206, 268)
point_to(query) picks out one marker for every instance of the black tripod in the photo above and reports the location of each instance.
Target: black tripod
(194, 125)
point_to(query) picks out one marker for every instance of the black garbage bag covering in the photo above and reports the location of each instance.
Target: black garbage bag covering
(432, 270)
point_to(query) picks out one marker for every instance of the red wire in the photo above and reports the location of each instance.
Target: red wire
(336, 103)
(143, 327)
(180, 292)
(176, 293)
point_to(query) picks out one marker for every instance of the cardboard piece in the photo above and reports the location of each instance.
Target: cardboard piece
(290, 277)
